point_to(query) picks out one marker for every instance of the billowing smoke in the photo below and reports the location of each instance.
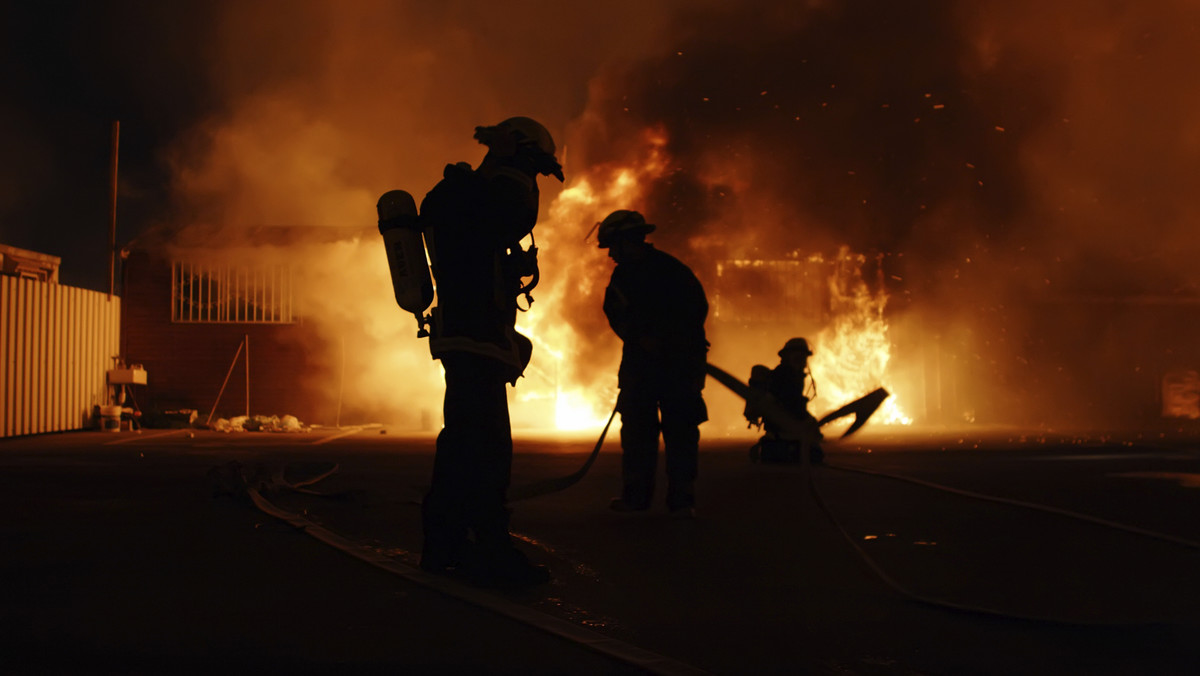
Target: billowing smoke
(1001, 160)
(793, 130)
(1025, 169)
(325, 106)
(1105, 243)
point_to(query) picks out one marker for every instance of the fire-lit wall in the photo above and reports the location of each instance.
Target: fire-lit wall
(188, 362)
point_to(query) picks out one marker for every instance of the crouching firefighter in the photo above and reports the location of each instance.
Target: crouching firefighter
(792, 386)
(473, 221)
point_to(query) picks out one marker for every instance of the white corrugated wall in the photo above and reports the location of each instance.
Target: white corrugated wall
(57, 344)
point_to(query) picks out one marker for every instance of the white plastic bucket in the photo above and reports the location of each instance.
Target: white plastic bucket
(110, 418)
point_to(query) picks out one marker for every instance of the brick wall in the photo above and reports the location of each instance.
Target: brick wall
(187, 362)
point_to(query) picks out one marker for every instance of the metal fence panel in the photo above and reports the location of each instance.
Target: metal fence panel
(56, 346)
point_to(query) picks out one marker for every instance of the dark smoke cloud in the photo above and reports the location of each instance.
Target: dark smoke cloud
(858, 119)
(1028, 160)
(1017, 153)
(327, 105)
(377, 95)
(412, 78)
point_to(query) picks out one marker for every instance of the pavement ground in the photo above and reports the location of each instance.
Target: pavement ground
(121, 557)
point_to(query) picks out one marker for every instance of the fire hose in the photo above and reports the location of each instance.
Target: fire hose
(867, 405)
(861, 409)
(556, 484)
(967, 608)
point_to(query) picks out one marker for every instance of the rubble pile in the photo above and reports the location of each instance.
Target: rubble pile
(259, 423)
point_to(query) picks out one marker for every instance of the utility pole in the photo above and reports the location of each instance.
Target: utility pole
(112, 223)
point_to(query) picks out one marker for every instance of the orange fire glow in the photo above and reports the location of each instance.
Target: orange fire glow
(852, 352)
(1021, 200)
(570, 384)
(575, 268)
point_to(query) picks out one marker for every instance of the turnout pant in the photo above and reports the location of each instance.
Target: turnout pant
(473, 464)
(677, 415)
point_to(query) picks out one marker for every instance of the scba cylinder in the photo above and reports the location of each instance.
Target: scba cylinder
(401, 230)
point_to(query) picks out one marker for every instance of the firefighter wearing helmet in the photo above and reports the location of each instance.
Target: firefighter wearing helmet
(655, 304)
(792, 386)
(474, 221)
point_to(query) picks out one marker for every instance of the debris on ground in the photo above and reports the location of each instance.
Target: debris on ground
(259, 423)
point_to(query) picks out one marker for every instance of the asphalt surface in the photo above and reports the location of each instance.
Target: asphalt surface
(124, 553)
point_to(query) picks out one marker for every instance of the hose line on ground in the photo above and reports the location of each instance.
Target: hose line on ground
(961, 607)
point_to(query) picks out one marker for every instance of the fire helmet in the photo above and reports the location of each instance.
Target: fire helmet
(796, 345)
(531, 137)
(622, 223)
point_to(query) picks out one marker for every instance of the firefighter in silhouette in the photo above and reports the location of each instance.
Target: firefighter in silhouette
(474, 221)
(791, 384)
(657, 307)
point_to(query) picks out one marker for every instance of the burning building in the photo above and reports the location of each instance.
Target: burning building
(983, 207)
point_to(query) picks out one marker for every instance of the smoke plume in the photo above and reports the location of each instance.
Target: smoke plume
(1024, 167)
(999, 159)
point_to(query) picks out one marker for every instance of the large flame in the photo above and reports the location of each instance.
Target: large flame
(851, 354)
(1006, 148)
(570, 384)
(578, 372)
(572, 375)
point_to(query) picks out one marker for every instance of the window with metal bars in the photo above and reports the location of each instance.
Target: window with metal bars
(240, 294)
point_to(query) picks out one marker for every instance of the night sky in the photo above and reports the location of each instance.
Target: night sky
(71, 69)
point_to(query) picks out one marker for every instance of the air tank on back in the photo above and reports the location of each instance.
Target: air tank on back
(402, 237)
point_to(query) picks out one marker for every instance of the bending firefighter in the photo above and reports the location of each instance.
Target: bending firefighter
(655, 304)
(473, 222)
(791, 385)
